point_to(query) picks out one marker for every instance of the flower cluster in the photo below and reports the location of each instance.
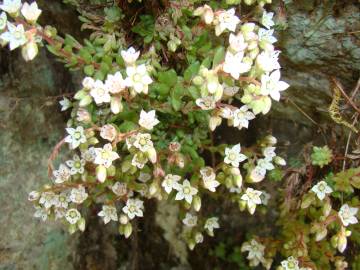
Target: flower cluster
(20, 34)
(250, 62)
(140, 124)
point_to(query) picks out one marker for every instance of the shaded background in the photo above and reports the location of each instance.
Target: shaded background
(322, 40)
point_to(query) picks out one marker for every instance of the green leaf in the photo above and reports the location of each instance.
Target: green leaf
(191, 71)
(84, 54)
(168, 77)
(89, 70)
(161, 89)
(113, 14)
(218, 56)
(193, 92)
(127, 126)
(70, 41)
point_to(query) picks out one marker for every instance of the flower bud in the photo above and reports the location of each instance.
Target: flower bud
(85, 101)
(151, 154)
(191, 244)
(29, 51)
(116, 105)
(127, 230)
(80, 94)
(197, 203)
(214, 122)
(279, 161)
(123, 219)
(93, 141)
(238, 180)
(247, 27)
(327, 208)
(153, 189)
(101, 173)
(198, 80)
(111, 171)
(307, 200)
(83, 116)
(81, 224)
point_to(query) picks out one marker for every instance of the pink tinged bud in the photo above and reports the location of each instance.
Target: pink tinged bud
(159, 172)
(101, 173)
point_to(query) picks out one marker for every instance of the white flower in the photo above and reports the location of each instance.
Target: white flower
(206, 103)
(72, 216)
(88, 83)
(108, 132)
(82, 115)
(257, 174)
(65, 104)
(30, 12)
(62, 174)
(133, 208)
(78, 195)
(75, 137)
(139, 160)
(115, 83)
(199, 238)
(190, 220)
(3, 20)
(148, 119)
(11, 6)
(267, 19)
(185, 191)
(120, 189)
(105, 156)
(234, 66)
(321, 189)
(266, 36)
(108, 213)
(233, 155)
(138, 78)
(290, 264)
(242, 116)
(144, 177)
(252, 198)
(237, 43)
(211, 224)
(269, 152)
(265, 164)
(76, 165)
(89, 155)
(63, 200)
(170, 182)
(208, 175)
(347, 214)
(256, 251)
(100, 93)
(42, 213)
(226, 20)
(47, 199)
(15, 36)
(268, 60)
(226, 112)
(271, 85)
(33, 196)
(143, 142)
(230, 90)
(130, 56)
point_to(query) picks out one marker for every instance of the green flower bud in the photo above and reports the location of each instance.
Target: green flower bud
(85, 101)
(196, 203)
(127, 230)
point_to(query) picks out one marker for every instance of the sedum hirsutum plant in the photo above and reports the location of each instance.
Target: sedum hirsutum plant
(143, 117)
